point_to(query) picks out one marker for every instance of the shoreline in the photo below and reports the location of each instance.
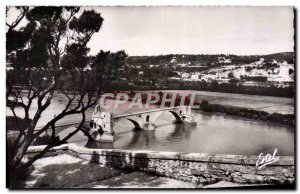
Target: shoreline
(246, 119)
(278, 118)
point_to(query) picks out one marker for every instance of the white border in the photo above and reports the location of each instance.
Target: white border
(155, 2)
(111, 3)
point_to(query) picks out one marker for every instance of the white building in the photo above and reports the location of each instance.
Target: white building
(185, 75)
(208, 77)
(195, 76)
(283, 74)
(224, 60)
(182, 64)
(261, 60)
(239, 72)
(173, 60)
(284, 70)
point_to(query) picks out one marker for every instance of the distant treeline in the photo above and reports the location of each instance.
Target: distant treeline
(256, 78)
(207, 59)
(286, 119)
(213, 86)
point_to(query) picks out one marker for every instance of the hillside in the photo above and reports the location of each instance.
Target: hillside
(202, 60)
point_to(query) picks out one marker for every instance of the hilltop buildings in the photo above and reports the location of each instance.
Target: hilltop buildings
(248, 74)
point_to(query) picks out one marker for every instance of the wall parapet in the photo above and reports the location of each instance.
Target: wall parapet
(200, 168)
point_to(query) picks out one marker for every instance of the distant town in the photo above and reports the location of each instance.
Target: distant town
(270, 75)
(201, 71)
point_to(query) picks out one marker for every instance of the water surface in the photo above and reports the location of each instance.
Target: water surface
(215, 134)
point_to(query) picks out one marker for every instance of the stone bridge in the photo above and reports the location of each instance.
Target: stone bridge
(102, 126)
(102, 123)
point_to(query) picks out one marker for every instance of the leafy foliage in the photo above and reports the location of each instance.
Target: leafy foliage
(88, 22)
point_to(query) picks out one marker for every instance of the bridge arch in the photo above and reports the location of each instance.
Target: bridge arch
(146, 119)
(176, 115)
(135, 123)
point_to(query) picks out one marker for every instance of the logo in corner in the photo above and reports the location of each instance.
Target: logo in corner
(266, 160)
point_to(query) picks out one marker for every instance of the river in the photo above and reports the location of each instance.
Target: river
(215, 134)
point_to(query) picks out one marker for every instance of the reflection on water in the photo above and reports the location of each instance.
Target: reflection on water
(216, 134)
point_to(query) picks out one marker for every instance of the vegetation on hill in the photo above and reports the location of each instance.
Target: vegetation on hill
(206, 60)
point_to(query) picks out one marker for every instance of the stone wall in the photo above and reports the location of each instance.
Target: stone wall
(201, 169)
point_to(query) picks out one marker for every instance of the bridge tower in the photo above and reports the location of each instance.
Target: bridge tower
(102, 127)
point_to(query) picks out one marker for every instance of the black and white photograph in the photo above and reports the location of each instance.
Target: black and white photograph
(150, 97)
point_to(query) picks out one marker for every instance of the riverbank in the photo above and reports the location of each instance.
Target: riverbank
(285, 119)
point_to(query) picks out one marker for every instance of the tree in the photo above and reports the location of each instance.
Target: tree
(242, 77)
(233, 81)
(214, 85)
(106, 65)
(48, 57)
(230, 75)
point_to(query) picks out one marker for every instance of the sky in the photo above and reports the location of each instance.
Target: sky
(194, 30)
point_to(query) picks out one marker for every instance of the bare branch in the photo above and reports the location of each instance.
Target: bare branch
(19, 18)
(49, 146)
(44, 93)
